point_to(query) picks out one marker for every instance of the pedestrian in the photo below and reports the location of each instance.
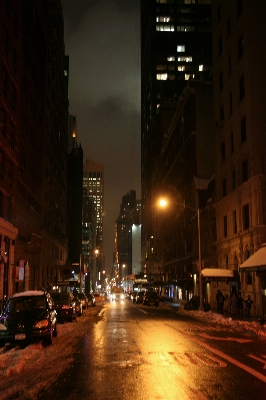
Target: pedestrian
(233, 305)
(248, 303)
(240, 303)
(217, 299)
(221, 299)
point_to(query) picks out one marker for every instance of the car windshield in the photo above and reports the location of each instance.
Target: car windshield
(63, 298)
(26, 303)
(81, 295)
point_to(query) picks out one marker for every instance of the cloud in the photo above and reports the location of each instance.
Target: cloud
(102, 39)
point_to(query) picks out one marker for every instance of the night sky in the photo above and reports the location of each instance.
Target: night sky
(102, 39)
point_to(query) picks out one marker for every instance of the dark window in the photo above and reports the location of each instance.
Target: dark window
(245, 170)
(219, 12)
(240, 46)
(239, 7)
(241, 88)
(232, 142)
(223, 152)
(245, 216)
(231, 103)
(224, 187)
(225, 226)
(228, 28)
(234, 222)
(243, 130)
(249, 278)
(222, 113)
(233, 180)
(230, 65)
(221, 81)
(220, 46)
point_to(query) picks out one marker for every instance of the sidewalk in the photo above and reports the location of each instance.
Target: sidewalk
(226, 313)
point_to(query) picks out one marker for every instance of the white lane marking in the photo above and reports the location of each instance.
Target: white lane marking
(251, 371)
(228, 338)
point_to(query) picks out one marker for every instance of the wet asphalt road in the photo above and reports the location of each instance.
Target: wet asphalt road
(135, 352)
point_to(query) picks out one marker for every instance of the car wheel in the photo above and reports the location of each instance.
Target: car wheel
(70, 319)
(55, 330)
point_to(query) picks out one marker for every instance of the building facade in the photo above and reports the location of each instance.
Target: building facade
(34, 113)
(93, 187)
(239, 60)
(175, 47)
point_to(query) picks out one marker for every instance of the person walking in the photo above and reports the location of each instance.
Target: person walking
(240, 303)
(221, 299)
(248, 303)
(233, 305)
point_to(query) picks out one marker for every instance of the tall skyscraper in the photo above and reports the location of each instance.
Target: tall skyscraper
(93, 188)
(175, 47)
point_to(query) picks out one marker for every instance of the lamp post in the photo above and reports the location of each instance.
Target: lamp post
(163, 203)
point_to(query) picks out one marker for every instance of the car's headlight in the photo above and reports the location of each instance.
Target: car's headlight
(3, 327)
(42, 324)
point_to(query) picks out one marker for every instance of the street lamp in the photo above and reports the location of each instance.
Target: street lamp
(163, 203)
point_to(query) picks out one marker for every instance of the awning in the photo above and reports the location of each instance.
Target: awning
(217, 274)
(256, 262)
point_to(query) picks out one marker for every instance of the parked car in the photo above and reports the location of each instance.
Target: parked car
(151, 299)
(78, 306)
(139, 297)
(83, 299)
(28, 317)
(65, 306)
(91, 299)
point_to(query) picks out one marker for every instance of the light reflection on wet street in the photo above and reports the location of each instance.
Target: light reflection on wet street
(132, 351)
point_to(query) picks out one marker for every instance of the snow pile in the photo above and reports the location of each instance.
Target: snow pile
(250, 327)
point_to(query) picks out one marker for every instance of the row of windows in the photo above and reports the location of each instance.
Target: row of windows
(243, 137)
(181, 28)
(245, 221)
(181, 68)
(244, 178)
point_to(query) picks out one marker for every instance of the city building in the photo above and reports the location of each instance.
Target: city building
(33, 145)
(74, 202)
(93, 187)
(184, 178)
(175, 48)
(239, 61)
(127, 238)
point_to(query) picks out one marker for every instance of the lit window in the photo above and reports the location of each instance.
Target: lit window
(161, 77)
(186, 59)
(162, 19)
(200, 67)
(180, 48)
(170, 58)
(189, 76)
(181, 68)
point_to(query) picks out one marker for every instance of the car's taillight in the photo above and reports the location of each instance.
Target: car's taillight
(66, 307)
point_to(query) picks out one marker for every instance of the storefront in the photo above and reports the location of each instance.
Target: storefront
(253, 278)
(215, 279)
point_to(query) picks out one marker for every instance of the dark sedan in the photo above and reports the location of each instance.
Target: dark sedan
(151, 299)
(65, 306)
(28, 317)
